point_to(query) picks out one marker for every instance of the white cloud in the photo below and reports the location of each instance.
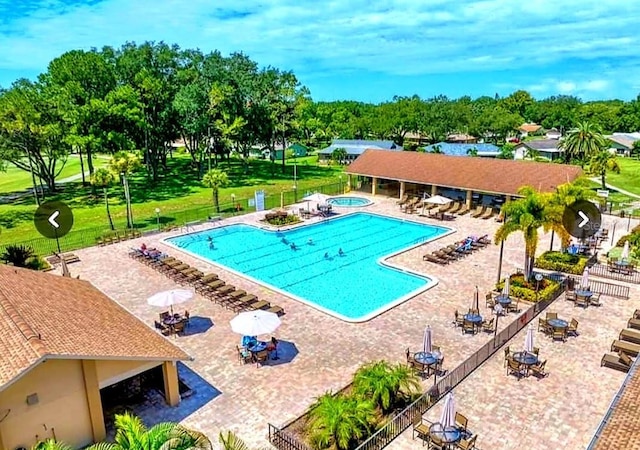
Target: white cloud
(396, 37)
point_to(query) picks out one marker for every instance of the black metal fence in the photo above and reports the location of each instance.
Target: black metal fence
(599, 287)
(283, 440)
(613, 273)
(87, 237)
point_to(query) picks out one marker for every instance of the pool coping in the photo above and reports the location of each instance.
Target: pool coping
(383, 261)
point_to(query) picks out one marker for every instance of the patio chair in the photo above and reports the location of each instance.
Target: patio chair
(420, 429)
(477, 212)
(581, 300)
(595, 300)
(468, 327)
(536, 351)
(164, 316)
(162, 328)
(261, 357)
(630, 335)
(467, 444)
(507, 355)
(543, 326)
(559, 334)
(572, 329)
(489, 326)
(616, 361)
(539, 369)
(515, 368)
(552, 315)
(461, 421)
(489, 301)
(629, 348)
(459, 320)
(513, 307)
(435, 443)
(244, 355)
(570, 296)
(634, 323)
(179, 327)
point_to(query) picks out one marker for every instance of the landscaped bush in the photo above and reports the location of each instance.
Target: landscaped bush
(526, 290)
(562, 262)
(281, 219)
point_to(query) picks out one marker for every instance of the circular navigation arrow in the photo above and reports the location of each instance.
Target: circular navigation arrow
(53, 219)
(582, 219)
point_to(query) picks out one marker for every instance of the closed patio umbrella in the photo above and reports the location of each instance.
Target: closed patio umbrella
(528, 340)
(625, 251)
(585, 279)
(448, 415)
(65, 269)
(475, 304)
(255, 323)
(426, 341)
(507, 287)
(169, 298)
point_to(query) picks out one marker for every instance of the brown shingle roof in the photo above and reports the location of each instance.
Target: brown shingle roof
(620, 432)
(47, 316)
(490, 175)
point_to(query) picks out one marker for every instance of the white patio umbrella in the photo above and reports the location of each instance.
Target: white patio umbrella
(625, 251)
(438, 200)
(448, 415)
(528, 340)
(169, 298)
(585, 278)
(507, 287)
(255, 323)
(426, 341)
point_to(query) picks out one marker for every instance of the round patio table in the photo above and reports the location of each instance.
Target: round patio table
(584, 293)
(558, 323)
(426, 358)
(476, 319)
(526, 358)
(447, 435)
(622, 263)
(172, 320)
(504, 300)
(257, 347)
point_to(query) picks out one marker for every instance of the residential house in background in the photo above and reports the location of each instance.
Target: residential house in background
(461, 138)
(543, 148)
(622, 143)
(553, 133)
(483, 150)
(355, 148)
(529, 128)
(68, 352)
(297, 150)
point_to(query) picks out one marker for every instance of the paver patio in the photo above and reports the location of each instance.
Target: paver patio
(321, 352)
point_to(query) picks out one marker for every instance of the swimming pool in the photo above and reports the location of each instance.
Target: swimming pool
(349, 201)
(353, 287)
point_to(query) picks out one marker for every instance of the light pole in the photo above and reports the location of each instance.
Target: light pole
(629, 221)
(539, 278)
(158, 218)
(498, 310)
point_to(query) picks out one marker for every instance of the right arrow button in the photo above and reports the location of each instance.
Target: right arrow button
(585, 219)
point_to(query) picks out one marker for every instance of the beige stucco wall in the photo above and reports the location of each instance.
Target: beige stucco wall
(110, 372)
(61, 409)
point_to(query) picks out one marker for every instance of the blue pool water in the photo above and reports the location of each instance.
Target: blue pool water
(353, 287)
(349, 201)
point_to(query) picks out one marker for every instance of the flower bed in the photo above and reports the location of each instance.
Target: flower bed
(526, 290)
(562, 262)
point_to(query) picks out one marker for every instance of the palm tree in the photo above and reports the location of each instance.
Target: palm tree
(436, 148)
(103, 178)
(601, 162)
(131, 434)
(385, 384)
(19, 256)
(583, 142)
(339, 155)
(215, 179)
(566, 195)
(124, 164)
(51, 444)
(338, 421)
(527, 215)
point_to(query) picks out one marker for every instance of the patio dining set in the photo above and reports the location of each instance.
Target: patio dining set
(450, 432)
(557, 328)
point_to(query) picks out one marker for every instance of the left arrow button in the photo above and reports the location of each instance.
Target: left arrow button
(52, 219)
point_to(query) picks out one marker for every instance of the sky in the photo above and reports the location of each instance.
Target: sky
(366, 50)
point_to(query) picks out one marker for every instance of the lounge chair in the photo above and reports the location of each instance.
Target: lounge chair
(279, 310)
(630, 335)
(435, 259)
(488, 214)
(617, 361)
(634, 323)
(403, 200)
(629, 348)
(454, 208)
(260, 304)
(477, 212)
(463, 210)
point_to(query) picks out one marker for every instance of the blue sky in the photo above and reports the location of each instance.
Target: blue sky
(365, 50)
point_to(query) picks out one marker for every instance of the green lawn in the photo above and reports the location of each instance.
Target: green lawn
(179, 195)
(629, 176)
(14, 179)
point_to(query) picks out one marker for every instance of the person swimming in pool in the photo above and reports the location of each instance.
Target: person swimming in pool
(284, 240)
(310, 242)
(326, 255)
(340, 252)
(294, 246)
(210, 239)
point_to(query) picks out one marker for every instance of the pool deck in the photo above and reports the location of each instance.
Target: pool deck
(320, 352)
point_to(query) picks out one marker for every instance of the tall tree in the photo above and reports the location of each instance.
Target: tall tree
(104, 179)
(583, 142)
(603, 162)
(215, 179)
(124, 164)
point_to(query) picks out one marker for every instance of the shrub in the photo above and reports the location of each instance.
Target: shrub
(526, 290)
(283, 220)
(22, 256)
(562, 262)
